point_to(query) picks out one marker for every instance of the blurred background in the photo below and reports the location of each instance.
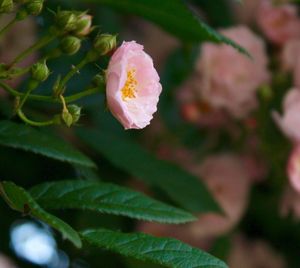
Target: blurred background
(218, 118)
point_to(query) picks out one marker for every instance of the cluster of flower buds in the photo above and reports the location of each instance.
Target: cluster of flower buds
(74, 23)
(70, 28)
(75, 26)
(28, 7)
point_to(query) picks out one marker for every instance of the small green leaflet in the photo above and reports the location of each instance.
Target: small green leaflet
(29, 139)
(106, 198)
(164, 251)
(18, 199)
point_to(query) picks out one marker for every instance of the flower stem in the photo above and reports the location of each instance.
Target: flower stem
(35, 123)
(74, 70)
(8, 26)
(32, 85)
(39, 44)
(52, 99)
(82, 94)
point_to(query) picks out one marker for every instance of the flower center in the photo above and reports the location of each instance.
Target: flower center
(129, 89)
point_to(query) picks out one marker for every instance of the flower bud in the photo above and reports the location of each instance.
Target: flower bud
(104, 43)
(6, 6)
(71, 114)
(40, 71)
(70, 45)
(98, 80)
(84, 25)
(66, 20)
(34, 7)
(75, 111)
(67, 118)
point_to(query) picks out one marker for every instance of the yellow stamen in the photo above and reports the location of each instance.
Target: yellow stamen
(129, 89)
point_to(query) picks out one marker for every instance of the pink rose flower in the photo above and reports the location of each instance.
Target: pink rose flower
(290, 54)
(227, 179)
(229, 80)
(293, 168)
(133, 86)
(279, 23)
(245, 13)
(6, 262)
(290, 203)
(253, 254)
(291, 59)
(290, 121)
(194, 110)
(228, 182)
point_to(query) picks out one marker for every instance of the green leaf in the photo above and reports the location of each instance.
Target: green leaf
(174, 16)
(164, 251)
(18, 199)
(29, 139)
(185, 189)
(107, 198)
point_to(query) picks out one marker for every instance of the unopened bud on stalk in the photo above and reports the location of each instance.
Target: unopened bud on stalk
(98, 80)
(75, 111)
(35, 7)
(40, 71)
(6, 6)
(104, 43)
(67, 118)
(71, 115)
(70, 45)
(84, 25)
(66, 21)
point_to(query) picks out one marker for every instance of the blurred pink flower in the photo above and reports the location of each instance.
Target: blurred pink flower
(290, 203)
(229, 184)
(133, 86)
(253, 254)
(256, 167)
(290, 54)
(5, 262)
(229, 80)
(12, 43)
(279, 23)
(245, 13)
(293, 168)
(289, 122)
(291, 60)
(195, 110)
(227, 179)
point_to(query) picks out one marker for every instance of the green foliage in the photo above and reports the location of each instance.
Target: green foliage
(182, 187)
(73, 33)
(27, 138)
(165, 251)
(106, 198)
(173, 16)
(18, 199)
